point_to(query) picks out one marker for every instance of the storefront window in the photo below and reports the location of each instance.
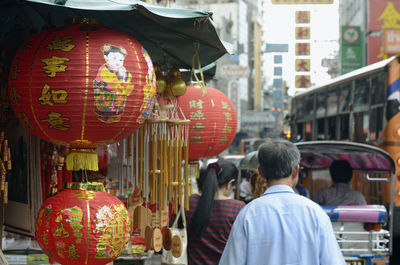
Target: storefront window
(331, 128)
(321, 129)
(344, 127)
(308, 131)
(361, 95)
(309, 106)
(299, 132)
(375, 123)
(378, 88)
(361, 126)
(345, 97)
(299, 108)
(321, 105)
(332, 102)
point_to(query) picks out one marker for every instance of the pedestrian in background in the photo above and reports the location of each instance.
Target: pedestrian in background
(281, 227)
(211, 214)
(340, 193)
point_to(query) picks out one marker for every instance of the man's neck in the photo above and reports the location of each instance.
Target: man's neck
(286, 181)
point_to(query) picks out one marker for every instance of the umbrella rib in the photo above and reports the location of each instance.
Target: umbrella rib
(161, 47)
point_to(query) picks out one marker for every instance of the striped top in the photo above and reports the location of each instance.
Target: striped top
(208, 249)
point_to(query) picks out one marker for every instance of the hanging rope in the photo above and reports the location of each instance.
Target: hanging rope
(196, 58)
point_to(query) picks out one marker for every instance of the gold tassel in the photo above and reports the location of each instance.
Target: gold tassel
(83, 159)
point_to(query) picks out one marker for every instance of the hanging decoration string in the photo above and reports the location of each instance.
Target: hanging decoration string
(195, 58)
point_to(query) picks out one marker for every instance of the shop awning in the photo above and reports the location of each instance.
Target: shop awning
(169, 34)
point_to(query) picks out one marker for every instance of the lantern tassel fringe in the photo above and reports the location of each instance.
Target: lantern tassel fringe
(82, 160)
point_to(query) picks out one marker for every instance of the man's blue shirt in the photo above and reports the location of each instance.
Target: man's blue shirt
(282, 227)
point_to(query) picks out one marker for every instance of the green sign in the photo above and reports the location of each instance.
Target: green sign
(352, 49)
(352, 58)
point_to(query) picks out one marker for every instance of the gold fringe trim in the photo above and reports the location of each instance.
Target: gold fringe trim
(82, 160)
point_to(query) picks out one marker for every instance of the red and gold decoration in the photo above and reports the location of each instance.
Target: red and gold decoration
(213, 121)
(82, 225)
(83, 86)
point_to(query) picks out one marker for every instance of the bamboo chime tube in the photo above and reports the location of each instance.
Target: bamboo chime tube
(179, 164)
(154, 164)
(147, 161)
(141, 159)
(175, 177)
(185, 173)
(170, 161)
(161, 164)
(165, 161)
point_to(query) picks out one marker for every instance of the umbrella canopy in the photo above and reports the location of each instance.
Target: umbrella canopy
(250, 161)
(170, 35)
(361, 157)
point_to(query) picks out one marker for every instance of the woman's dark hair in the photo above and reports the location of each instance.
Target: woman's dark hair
(200, 179)
(211, 183)
(341, 171)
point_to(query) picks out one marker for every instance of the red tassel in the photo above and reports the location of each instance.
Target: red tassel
(59, 179)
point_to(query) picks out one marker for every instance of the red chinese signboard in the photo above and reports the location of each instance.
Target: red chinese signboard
(382, 15)
(302, 49)
(303, 17)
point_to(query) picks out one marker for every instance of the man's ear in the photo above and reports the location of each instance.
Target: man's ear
(295, 173)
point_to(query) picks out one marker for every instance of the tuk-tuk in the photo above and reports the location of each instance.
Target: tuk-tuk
(364, 233)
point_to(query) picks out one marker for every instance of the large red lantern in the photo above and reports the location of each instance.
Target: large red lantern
(82, 225)
(82, 86)
(213, 121)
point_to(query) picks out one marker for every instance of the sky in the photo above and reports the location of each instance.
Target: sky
(279, 27)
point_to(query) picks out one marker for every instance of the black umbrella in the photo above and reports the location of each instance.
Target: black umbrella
(170, 35)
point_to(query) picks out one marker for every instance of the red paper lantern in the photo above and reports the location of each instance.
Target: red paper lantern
(82, 225)
(82, 86)
(213, 121)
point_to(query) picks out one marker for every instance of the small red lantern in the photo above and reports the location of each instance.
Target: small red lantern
(82, 86)
(82, 225)
(213, 121)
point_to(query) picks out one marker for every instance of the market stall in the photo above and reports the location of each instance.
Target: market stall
(95, 107)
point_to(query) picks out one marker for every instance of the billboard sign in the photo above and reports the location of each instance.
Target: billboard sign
(351, 54)
(391, 41)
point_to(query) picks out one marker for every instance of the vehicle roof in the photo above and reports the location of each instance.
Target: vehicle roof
(362, 157)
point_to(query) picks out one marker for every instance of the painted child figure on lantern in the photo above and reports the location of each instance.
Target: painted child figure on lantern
(112, 85)
(148, 90)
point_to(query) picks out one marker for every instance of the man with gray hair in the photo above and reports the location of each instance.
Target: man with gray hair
(281, 227)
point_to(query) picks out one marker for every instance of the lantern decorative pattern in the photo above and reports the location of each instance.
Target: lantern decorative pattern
(82, 225)
(82, 86)
(213, 121)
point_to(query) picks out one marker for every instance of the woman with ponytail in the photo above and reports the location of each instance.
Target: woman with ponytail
(211, 214)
